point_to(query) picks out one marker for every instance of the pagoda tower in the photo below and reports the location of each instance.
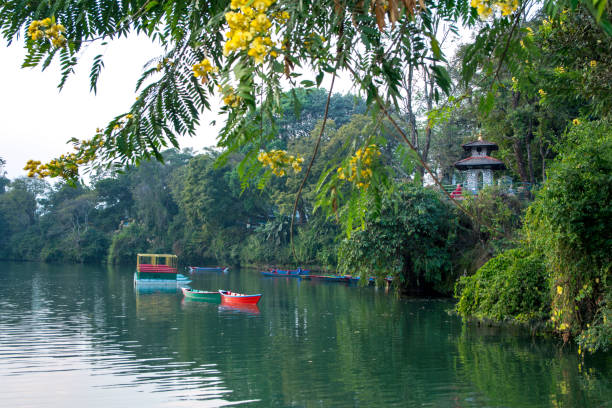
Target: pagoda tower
(479, 165)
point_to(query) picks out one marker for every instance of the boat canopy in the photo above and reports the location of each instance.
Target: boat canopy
(157, 263)
(158, 259)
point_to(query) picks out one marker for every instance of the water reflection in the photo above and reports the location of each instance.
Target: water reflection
(247, 309)
(85, 336)
(65, 342)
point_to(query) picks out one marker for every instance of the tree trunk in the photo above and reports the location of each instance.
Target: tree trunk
(529, 160)
(520, 164)
(409, 110)
(428, 89)
(516, 145)
(529, 157)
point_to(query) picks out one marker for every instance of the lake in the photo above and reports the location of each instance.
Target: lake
(83, 336)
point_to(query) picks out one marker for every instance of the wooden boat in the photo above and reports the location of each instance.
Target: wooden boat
(356, 279)
(194, 294)
(238, 298)
(328, 278)
(295, 273)
(193, 269)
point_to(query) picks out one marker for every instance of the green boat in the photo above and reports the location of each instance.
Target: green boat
(194, 294)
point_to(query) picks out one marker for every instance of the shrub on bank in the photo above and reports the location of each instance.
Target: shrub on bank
(512, 286)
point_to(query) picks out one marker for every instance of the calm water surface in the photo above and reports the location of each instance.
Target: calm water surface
(83, 336)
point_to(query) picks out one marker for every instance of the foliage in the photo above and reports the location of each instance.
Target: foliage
(127, 243)
(407, 239)
(555, 70)
(569, 223)
(493, 228)
(512, 286)
(498, 216)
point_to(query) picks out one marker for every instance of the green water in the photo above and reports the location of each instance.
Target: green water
(83, 336)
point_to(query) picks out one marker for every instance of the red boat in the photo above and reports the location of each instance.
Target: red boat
(238, 298)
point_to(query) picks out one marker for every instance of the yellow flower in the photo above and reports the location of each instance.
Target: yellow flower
(593, 63)
(261, 23)
(58, 41)
(559, 290)
(576, 122)
(542, 93)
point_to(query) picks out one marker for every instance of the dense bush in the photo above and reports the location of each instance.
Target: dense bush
(512, 286)
(494, 228)
(570, 223)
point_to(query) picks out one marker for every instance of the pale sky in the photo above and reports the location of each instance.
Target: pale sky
(37, 120)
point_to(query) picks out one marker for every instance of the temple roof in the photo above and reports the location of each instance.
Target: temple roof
(480, 162)
(480, 143)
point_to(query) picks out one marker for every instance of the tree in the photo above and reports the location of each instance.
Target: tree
(408, 239)
(562, 71)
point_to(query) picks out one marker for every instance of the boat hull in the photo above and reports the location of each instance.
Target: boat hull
(157, 275)
(280, 273)
(193, 269)
(202, 295)
(238, 299)
(328, 278)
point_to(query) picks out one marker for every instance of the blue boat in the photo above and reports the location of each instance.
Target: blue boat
(328, 278)
(193, 269)
(281, 273)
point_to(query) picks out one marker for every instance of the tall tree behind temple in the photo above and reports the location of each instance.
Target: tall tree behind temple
(563, 72)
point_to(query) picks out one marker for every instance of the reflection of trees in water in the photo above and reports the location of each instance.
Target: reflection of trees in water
(515, 371)
(155, 304)
(312, 344)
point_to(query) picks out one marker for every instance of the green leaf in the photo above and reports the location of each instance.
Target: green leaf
(442, 78)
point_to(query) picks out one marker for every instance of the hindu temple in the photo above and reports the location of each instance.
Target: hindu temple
(479, 165)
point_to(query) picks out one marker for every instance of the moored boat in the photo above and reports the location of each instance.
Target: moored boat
(194, 294)
(294, 273)
(193, 269)
(328, 278)
(238, 298)
(356, 279)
